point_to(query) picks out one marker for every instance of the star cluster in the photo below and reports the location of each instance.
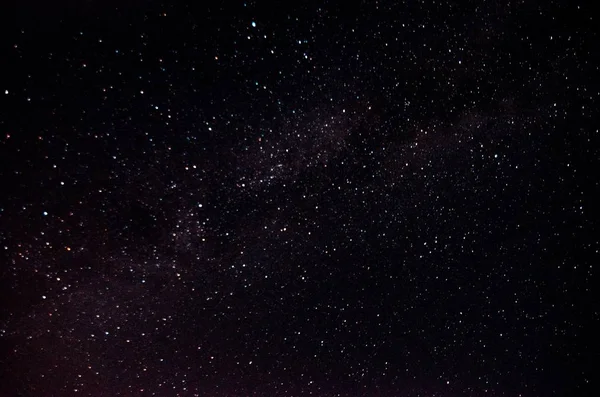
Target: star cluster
(247, 199)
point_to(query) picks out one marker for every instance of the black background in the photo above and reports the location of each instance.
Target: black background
(353, 199)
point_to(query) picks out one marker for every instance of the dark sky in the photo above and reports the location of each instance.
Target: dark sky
(301, 199)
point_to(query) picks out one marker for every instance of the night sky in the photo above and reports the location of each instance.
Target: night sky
(298, 199)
